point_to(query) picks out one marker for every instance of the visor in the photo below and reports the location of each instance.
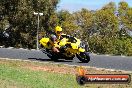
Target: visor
(59, 32)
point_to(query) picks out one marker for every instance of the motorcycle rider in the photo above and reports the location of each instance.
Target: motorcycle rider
(54, 39)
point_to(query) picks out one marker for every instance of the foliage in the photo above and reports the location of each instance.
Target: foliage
(19, 14)
(84, 19)
(125, 15)
(106, 31)
(66, 20)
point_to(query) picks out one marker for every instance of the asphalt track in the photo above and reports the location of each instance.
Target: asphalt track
(99, 61)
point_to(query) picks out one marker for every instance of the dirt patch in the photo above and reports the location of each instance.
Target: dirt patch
(65, 69)
(57, 68)
(69, 70)
(50, 68)
(3, 61)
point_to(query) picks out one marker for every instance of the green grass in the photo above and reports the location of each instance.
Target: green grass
(13, 75)
(9, 84)
(36, 79)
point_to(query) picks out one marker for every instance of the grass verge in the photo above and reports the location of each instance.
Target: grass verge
(26, 74)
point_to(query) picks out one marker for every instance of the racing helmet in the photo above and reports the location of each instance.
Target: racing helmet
(58, 30)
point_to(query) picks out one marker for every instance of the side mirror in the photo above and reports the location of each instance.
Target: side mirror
(86, 47)
(68, 36)
(75, 34)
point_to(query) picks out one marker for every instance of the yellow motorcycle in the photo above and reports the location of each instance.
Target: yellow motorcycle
(68, 46)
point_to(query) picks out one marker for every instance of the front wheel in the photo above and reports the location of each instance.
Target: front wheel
(84, 57)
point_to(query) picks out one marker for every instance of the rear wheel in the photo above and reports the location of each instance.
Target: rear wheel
(54, 57)
(83, 57)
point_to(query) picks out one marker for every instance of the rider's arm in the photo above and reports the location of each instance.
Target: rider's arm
(53, 40)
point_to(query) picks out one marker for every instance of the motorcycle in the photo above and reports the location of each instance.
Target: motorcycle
(68, 46)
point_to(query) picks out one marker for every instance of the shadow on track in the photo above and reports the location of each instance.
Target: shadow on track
(41, 59)
(82, 62)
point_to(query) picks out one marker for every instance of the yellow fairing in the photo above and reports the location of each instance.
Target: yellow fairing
(78, 41)
(81, 50)
(56, 45)
(44, 41)
(74, 46)
(63, 42)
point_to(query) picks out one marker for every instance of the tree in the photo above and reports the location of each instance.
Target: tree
(84, 19)
(19, 14)
(66, 20)
(125, 15)
(106, 28)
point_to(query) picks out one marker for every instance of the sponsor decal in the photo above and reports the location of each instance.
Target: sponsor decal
(82, 78)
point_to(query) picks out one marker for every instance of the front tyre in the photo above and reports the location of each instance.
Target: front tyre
(83, 57)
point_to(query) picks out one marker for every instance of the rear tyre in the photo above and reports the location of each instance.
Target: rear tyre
(83, 57)
(53, 57)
